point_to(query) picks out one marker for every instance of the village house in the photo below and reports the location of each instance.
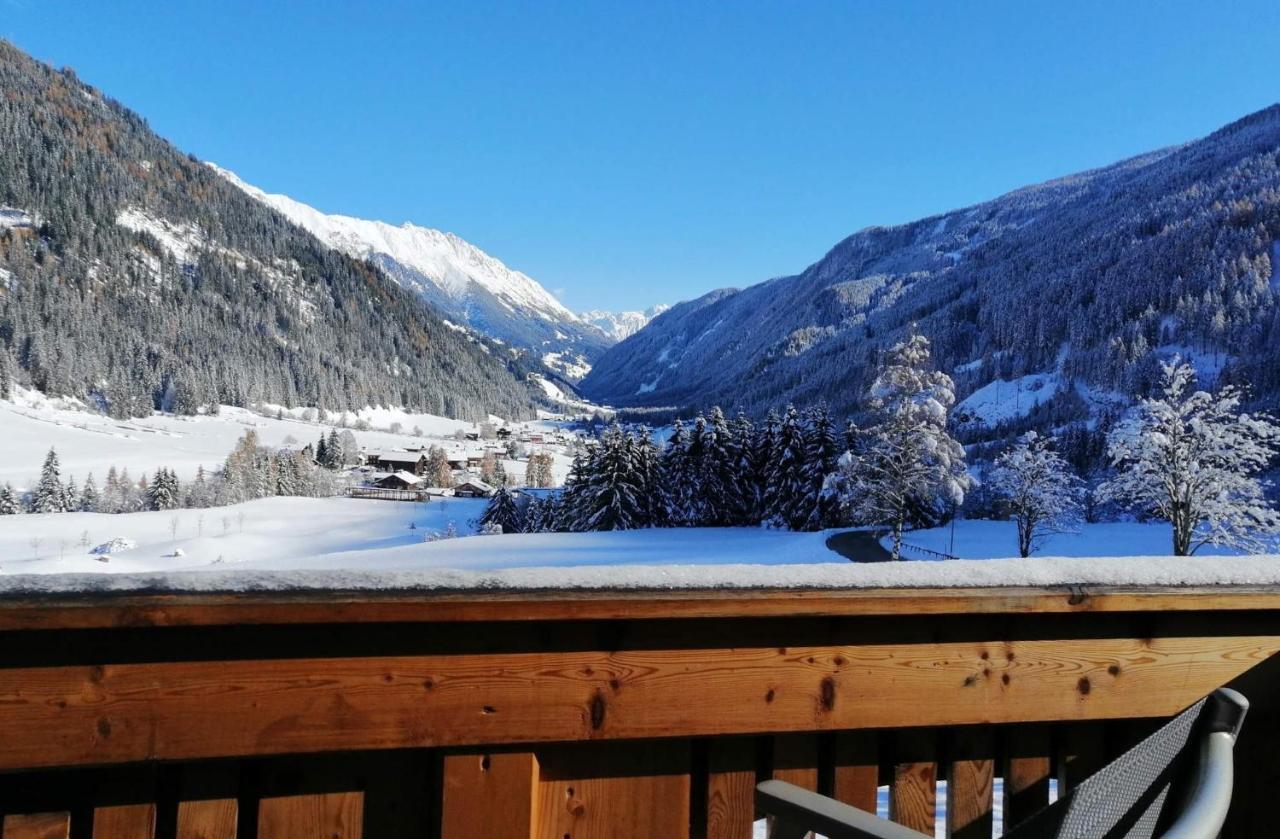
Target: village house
(398, 480)
(472, 488)
(412, 462)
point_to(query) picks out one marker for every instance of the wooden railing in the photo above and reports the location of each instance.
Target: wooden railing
(388, 494)
(649, 714)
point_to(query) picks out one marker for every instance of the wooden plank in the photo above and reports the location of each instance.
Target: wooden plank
(731, 788)
(1026, 772)
(490, 795)
(632, 791)
(970, 783)
(913, 789)
(335, 815)
(857, 769)
(795, 759)
(167, 711)
(117, 610)
(124, 821)
(212, 819)
(37, 826)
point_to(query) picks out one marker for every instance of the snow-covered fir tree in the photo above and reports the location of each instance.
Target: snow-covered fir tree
(909, 465)
(49, 496)
(786, 493)
(9, 505)
(612, 494)
(821, 454)
(164, 492)
(679, 480)
(718, 473)
(1193, 458)
(89, 497)
(503, 512)
(1037, 485)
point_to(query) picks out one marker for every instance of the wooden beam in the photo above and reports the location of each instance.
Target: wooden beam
(913, 790)
(625, 791)
(731, 788)
(212, 819)
(124, 821)
(98, 611)
(335, 815)
(857, 769)
(1026, 772)
(56, 716)
(970, 784)
(492, 795)
(37, 826)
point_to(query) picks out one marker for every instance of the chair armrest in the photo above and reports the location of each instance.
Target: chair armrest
(1204, 810)
(798, 811)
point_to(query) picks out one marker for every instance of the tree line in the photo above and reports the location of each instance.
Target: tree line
(1186, 456)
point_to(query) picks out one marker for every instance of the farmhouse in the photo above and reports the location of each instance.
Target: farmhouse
(398, 480)
(472, 488)
(414, 462)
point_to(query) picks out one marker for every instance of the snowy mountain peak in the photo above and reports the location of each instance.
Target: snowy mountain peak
(622, 325)
(445, 258)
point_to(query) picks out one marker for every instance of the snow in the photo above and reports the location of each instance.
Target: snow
(985, 539)
(574, 367)
(114, 546)
(88, 441)
(11, 217)
(622, 325)
(1275, 264)
(181, 241)
(448, 260)
(1000, 401)
(275, 544)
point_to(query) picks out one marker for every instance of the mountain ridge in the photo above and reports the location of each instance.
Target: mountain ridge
(1094, 275)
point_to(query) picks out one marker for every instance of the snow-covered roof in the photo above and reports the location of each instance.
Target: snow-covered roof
(407, 477)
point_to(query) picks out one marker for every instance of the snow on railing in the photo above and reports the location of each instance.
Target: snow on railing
(925, 553)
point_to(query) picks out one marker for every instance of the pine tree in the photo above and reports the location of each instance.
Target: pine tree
(821, 454)
(49, 495)
(679, 480)
(89, 498)
(611, 498)
(503, 511)
(718, 475)
(1038, 487)
(786, 491)
(910, 463)
(322, 452)
(164, 492)
(1193, 458)
(335, 454)
(9, 505)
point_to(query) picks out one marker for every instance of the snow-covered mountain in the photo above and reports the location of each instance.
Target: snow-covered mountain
(1048, 305)
(622, 325)
(467, 285)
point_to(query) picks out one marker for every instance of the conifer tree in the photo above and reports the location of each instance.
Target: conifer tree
(9, 505)
(49, 495)
(611, 497)
(503, 511)
(89, 497)
(786, 493)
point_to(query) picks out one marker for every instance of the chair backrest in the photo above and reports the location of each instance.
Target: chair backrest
(1140, 793)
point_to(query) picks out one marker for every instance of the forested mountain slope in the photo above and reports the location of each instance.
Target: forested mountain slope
(133, 275)
(1087, 279)
(462, 282)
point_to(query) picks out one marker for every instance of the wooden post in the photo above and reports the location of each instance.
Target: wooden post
(491, 795)
(970, 782)
(731, 788)
(913, 792)
(1026, 772)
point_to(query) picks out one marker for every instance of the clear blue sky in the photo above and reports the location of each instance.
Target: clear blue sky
(632, 153)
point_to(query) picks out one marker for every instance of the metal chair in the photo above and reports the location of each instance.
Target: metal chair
(1175, 784)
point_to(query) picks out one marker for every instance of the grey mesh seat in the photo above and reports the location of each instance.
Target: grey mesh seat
(1175, 784)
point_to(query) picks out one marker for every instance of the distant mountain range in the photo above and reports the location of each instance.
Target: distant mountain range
(466, 285)
(1075, 288)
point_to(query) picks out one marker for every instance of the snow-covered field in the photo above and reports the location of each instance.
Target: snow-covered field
(88, 441)
(983, 539)
(283, 543)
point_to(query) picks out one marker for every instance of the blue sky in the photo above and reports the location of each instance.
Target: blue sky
(631, 153)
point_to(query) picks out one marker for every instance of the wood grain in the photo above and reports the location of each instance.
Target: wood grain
(913, 789)
(167, 711)
(212, 819)
(731, 788)
(123, 610)
(970, 784)
(795, 759)
(626, 792)
(490, 795)
(857, 769)
(336, 815)
(1026, 772)
(37, 826)
(125, 821)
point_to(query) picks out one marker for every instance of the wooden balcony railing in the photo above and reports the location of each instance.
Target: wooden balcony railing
(570, 716)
